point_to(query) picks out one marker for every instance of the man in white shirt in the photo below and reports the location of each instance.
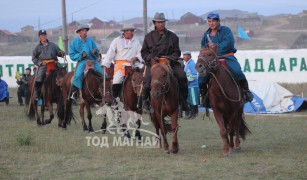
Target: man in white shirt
(121, 51)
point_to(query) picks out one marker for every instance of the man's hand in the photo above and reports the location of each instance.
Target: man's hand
(94, 51)
(84, 55)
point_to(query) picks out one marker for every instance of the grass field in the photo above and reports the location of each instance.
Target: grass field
(275, 150)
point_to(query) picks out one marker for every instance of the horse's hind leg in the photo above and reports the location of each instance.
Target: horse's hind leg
(223, 132)
(89, 117)
(175, 126)
(81, 111)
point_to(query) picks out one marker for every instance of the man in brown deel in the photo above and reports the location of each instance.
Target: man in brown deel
(161, 43)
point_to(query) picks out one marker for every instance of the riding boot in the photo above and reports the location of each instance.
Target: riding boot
(145, 99)
(37, 93)
(73, 92)
(188, 112)
(248, 95)
(116, 88)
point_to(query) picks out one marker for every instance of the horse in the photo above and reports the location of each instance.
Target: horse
(164, 99)
(50, 94)
(95, 89)
(226, 99)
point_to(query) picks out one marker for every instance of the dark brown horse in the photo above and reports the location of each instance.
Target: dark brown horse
(50, 94)
(165, 101)
(226, 99)
(92, 92)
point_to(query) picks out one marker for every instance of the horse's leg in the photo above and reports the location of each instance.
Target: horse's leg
(223, 131)
(42, 113)
(137, 132)
(231, 131)
(89, 117)
(175, 126)
(156, 125)
(81, 111)
(38, 120)
(162, 128)
(104, 124)
(50, 109)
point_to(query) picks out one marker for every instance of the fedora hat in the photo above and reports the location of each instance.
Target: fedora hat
(127, 27)
(159, 17)
(82, 26)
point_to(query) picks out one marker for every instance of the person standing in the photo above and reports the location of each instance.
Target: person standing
(23, 89)
(162, 43)
(44, 53)
(222, 37)
(192, 76)
(122, 50)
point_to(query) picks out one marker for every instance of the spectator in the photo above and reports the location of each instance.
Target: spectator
(4, 93)
(23, 89)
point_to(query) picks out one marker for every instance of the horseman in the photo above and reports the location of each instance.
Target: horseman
(45, 52)
(222, 37)
(162, 43)
(122, 50)
(82, 48)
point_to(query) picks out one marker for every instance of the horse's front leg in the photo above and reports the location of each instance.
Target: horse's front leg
(223, 131)
(50, 109)
(38, 120)
(81, 111)
(175, 126)
(162, 128)
(89, 117)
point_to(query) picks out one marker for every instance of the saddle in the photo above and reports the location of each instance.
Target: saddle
(50, 65)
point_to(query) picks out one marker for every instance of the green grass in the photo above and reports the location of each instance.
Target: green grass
(275, 150)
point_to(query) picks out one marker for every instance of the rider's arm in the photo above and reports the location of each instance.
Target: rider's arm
(176, 53)
(145, 51)
(74, 54)
(138, 55)
(35, 56)
(110, 55)
(226, 43)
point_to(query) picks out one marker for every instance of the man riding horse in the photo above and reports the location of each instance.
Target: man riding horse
(82, 48)
(162, 43)
(45, 52)
(222, 37)
(122, 50)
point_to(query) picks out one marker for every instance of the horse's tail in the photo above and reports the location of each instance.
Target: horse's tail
(69, 113)
(30, 111)
(243, 130)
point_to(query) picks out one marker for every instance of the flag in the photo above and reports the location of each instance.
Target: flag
(60, 43)
(242, 34)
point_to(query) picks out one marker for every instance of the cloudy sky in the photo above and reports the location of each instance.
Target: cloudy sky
(15, 14)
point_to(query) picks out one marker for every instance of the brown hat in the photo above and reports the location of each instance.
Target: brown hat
(159, 17)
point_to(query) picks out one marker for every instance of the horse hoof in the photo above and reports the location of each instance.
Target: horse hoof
(238, 149)
(175, 151)
(167, 151)
(59, 125)
(47, 121)
(103, 131)
(91, 130)
(85, 128)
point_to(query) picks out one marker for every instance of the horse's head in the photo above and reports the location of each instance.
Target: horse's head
(160, 79)
(207, 61)
(60, 73)
(137, 79)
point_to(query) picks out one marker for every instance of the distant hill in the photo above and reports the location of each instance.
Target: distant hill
(230, 13)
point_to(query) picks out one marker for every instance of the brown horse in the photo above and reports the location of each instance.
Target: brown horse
(164, 97)
(92, 92)
(225, 99)
(50, 94)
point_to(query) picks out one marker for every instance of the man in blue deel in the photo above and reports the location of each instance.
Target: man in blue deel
(222, 37)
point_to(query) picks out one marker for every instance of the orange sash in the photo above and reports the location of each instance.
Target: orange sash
(120, 66)
(50, 63)
(163, 60)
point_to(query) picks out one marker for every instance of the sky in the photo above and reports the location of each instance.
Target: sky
(15, 14)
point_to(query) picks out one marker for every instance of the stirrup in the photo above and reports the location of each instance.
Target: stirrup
(73, 95)
(248, 96)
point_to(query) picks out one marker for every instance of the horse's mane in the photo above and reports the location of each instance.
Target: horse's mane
(166, 67)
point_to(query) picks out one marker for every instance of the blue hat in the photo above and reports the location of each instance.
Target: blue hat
(213, 15)
(42, 31)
